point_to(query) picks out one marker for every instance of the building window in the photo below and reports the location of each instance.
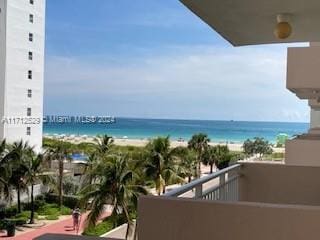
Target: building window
(29, 74)
(31, 18)
(29, 93)
(28, 131)
(28, 112)
(30, 55)
(30, 37)
(31, 2)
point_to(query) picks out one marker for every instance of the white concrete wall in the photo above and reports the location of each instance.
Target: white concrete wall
(2, 61)
(17, 66)
(314, 113)
(314, 118)
(303, 151)
(303, 71)
(162, 218)
(26, 196)
(303, 68)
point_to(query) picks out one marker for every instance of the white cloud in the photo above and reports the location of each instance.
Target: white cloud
(182, 82)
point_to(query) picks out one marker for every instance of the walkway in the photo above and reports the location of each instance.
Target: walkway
(62, 227)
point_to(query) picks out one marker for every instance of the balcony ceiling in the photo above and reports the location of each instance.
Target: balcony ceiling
(248, 22)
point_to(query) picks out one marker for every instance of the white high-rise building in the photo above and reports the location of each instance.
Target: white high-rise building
(22, 38)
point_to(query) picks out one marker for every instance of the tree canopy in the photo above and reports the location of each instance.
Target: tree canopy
(258, 146)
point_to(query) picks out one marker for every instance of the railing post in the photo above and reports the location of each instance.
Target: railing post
(222, 193)
(198, 193)
(237, 189)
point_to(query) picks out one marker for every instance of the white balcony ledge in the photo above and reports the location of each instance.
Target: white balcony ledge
(274, 202)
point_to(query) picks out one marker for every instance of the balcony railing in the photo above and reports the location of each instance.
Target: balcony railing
(221, 185)
(260, 200)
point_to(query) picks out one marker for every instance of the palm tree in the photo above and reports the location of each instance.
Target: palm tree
(199, 143)
(5, 170)
(162, 164)
(222, 155)
(210, 157)
(103, 143)
(59, 151)
(35, 173)
(91, 169)
(19, 151)
(187, 162)
(96, 152)
(115, 186)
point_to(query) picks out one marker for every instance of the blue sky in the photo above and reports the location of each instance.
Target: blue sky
(155, 59)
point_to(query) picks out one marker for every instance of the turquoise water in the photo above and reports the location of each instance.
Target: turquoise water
(234, 131)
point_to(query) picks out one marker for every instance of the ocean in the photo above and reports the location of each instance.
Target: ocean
(218, 131)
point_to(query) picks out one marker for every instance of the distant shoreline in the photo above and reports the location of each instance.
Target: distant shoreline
(143, 142)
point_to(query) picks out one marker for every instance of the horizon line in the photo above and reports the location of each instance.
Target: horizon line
(185, 119)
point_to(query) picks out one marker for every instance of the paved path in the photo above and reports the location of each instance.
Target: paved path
(62, 227)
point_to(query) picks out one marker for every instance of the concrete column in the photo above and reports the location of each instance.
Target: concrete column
(314, 118)
(303, 70)
(314, 115)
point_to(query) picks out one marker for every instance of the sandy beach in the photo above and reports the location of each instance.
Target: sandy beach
(144, 142)
(141, 143)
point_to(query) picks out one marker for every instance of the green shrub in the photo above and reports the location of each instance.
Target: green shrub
(22, 218)
(71, 201)
(2, 224)
(19, 221)
(65, 211)
(7, 223)
(279, 155)
(25, 214)
(51, 198)
(11, 211)
(49, 209)
(2, 214)
(118, 219)
(41, 197)
(52, 217)
(53, 209)
(2, 209)
(68, 201)
(38, 203)
(99, 229)
(41, 217)
(223, 164)
(51, 205)
(16, 221)
(236, 156)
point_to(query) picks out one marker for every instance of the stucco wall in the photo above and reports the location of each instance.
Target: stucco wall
(303, 151)
(183, 219)
(274, 183)
(303, 71)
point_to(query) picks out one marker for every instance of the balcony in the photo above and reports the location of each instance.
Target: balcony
(245, 201)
